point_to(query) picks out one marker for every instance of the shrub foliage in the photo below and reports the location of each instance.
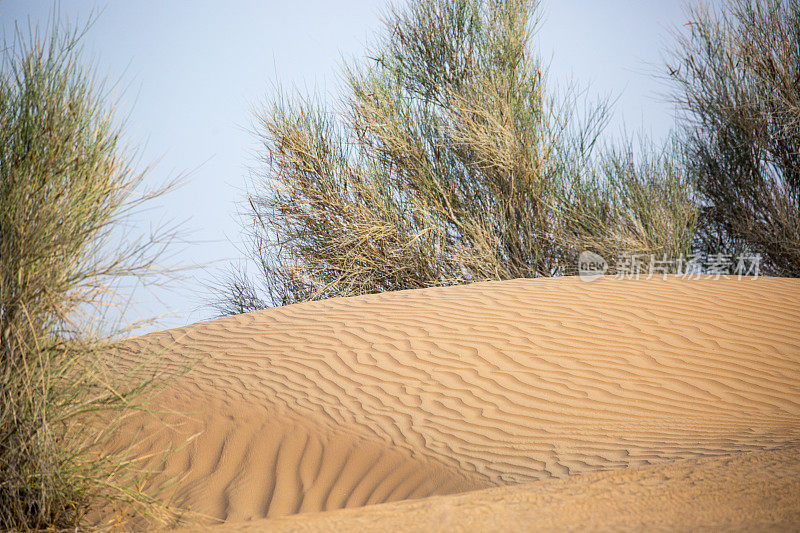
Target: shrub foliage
(448, 160)
(65, 184)
(736, 76)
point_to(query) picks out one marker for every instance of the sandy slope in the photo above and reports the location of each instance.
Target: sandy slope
(755, 491)
(378, 398)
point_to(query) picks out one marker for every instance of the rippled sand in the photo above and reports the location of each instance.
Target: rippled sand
(633, 404)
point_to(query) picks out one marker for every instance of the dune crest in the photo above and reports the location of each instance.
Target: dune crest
(476, 386)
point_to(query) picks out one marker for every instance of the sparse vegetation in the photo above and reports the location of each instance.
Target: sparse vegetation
(66, 182)
(448, 161)
(736, 76)
(638, 200)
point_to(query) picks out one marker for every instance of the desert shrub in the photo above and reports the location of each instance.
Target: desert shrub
(448, 160)
(639, 199)
(736, 76)
(66, 182)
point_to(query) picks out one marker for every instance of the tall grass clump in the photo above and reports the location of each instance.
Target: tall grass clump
(736, 77)
(66, 183)
(447, 160)
(639, 198)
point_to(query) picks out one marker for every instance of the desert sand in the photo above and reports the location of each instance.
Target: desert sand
(549, 403)
(753, 491)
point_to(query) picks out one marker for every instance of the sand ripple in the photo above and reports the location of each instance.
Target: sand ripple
(364, 400)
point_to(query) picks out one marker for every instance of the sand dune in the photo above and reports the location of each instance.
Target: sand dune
(755, 491)
(233, 461)
(402, 395)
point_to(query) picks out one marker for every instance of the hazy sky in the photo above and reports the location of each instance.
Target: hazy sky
(192, 71)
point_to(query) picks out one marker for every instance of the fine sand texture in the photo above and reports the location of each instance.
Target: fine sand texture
(348, 402)
(754, 491)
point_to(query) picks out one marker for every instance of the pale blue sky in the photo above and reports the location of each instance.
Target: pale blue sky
(193, 70)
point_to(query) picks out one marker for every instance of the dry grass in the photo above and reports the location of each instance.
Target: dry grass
(66, 183)
(641, 199)
(448, 161)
